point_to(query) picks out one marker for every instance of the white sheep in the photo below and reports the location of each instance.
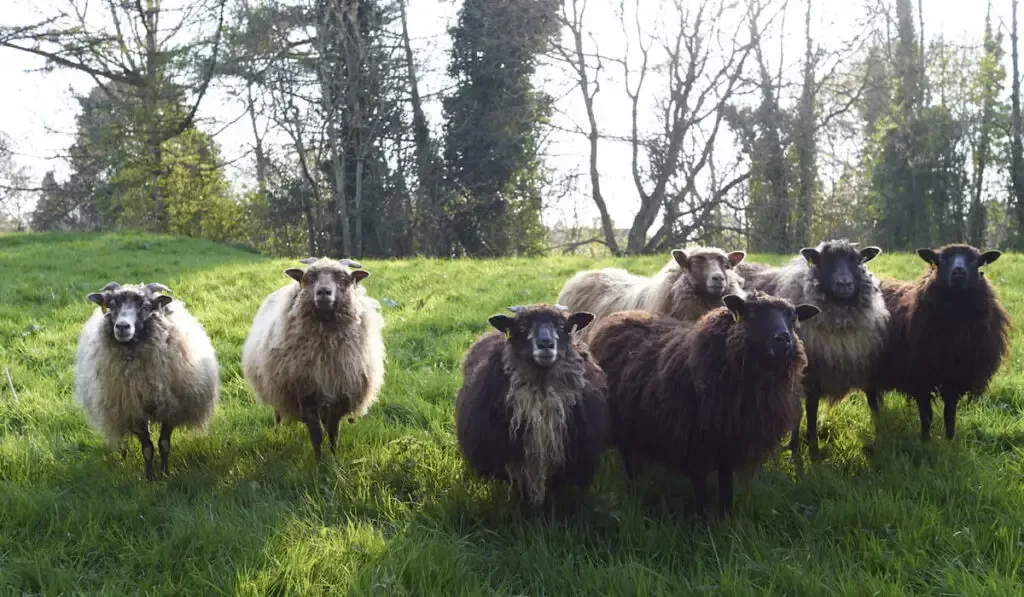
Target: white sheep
(142, 357)
(316, 350)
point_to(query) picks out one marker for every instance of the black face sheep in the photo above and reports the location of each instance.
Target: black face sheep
(142, 357)
(688, 286)
(316, 350)
(532, 408)
(715, 395)
(947, 333)
(844, 342)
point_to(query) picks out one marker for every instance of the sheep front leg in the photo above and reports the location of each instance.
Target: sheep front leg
(333, 422)
(949, 412)
(924, 411)
(311, 417)
(700, 491)
(874, 402)
(812, 424)
(142, 432)
(725, 486)
(165, 445)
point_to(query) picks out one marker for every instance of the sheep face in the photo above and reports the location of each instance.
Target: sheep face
(326, 285)
(540, 334)
(769, 323)
(957, 266)
(708, 269)
(128, 309)
(839, 267)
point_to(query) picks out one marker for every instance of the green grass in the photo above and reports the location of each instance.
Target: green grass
(244, 510)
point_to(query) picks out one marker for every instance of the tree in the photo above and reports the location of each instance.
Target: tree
(987, 89)
(1016, 138)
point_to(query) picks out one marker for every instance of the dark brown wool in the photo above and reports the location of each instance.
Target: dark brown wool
(701, 397)
(536, 427)
(941, 339)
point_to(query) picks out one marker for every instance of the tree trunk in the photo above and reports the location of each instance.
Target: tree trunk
(806, 146)
(151, 21)
(1016, 148)
(359, 208)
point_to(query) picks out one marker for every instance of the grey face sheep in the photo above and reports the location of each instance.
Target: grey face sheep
(844, 342)
(715, 395)
(691, 284)
(532, 409)
(143, 358)
(947, 333)
(315, 352)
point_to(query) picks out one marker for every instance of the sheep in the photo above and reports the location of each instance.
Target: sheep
(948, 334)
(714, 395)
(844, 342)
(689, 285)
(315, 352)
(532, 409)
(143, 357)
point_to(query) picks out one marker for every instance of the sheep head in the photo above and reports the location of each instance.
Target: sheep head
(128, 309)
(326, 285)
(839, 268)
(710, 270)
(957, 266)
(769, 323)
(540, 334)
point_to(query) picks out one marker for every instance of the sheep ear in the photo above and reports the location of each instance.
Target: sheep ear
(680, 256)
(99, 299)
(988, 257)
(811, 255)
(736, 257)
(502, 323)
(805, 312)
(162, 301)
(869, 253)
(579, 320)
(929, 256)
(735, 304)
(294, 273)
(359, 275)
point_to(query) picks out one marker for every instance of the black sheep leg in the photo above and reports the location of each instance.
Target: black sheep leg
(165, 445)
(725, 486)
(949, 412)
(924, 411)
(311, 417)
(333, 422)
(812, 423)
(700, 491)
(874, 402)
(142, 432)
(627, 462)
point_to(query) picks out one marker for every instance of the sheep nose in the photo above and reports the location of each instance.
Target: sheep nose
(546, 342)
(122, 326)
(783, 338)
(717, 278)
(323, 292)
(959, 271)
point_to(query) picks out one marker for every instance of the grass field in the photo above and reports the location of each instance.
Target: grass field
(244, 510)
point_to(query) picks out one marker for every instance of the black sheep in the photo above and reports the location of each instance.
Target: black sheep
(947, 333)
(533, 408)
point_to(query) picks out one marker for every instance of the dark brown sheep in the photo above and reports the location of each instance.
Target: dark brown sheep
(947, 333)
(533, 408)
(715, 395)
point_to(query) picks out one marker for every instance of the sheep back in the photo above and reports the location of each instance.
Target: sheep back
(289, 355)
(171, 377)
(537, 432)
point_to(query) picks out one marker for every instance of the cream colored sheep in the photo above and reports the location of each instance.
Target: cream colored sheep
(316, 350)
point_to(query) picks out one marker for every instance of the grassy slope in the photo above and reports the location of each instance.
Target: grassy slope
(245, 512)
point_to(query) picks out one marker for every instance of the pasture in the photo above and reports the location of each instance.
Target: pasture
(245, 511)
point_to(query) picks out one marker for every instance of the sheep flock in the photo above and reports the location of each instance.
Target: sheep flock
(704, 368)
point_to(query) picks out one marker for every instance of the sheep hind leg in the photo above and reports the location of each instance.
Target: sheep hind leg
(874, 403)
(147, 449)
(700, 492)
(725, 487)
(949, 413)
(333, 422)
(924, 411)
(165, 445)
(812, 424)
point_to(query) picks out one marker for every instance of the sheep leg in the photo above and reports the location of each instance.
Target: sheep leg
(949, 413)
(147, 449)
(165, 445)
(311, 417)
(333, 422)
(874, 402)
(812, 424)
(924, 411)
(627, 462)
(700, 491)
(725, 486)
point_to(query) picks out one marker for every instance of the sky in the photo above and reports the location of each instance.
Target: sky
(37, 110)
